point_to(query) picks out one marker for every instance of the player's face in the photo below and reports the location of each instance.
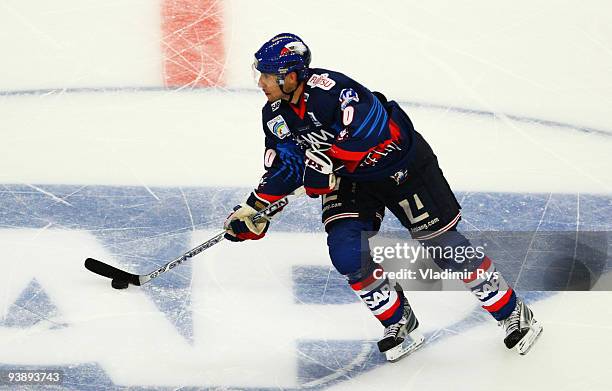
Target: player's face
(269, 85)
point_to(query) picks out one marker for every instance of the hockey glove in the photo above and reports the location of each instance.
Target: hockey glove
(319, 175)
(239, 225)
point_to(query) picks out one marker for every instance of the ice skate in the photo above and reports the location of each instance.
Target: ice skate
(401, 338)
(522, 330)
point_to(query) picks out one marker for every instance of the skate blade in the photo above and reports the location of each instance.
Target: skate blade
(529, 339)
(412, 342)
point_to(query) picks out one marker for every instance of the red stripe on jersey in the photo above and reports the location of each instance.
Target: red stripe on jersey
(389, 313)
(317, 191)
(395, 130)
(484, 266)
(269, 197)
(344, 155)
(352, 158)
(500, 303)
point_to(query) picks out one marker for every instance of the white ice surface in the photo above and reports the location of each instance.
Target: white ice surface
(238, 344)
(570, 355)
(79, 43)
(215, 139)
(550, 61)
(539, 59)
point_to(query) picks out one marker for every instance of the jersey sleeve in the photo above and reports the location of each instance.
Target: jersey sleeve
(362, 124)
(284, 165)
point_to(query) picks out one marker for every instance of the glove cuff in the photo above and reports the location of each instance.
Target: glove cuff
(319, 161)
(256, 202)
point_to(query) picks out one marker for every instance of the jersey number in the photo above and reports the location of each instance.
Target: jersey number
(333, 195)
(418, 206)
(269, 157)
(347, 115)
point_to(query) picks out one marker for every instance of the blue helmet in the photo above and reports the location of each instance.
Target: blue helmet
(283, 54)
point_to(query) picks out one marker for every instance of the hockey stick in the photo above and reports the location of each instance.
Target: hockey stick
(119, 275)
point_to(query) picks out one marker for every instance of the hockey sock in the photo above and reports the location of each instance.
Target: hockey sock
(384, 301)
(491, 289)
(479, 273)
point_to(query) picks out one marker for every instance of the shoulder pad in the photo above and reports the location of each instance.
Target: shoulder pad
(323, 81)
(347, 95)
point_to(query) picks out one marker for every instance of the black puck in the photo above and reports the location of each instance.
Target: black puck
(119, 284)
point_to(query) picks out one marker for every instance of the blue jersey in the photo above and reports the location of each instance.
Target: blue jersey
(370, 139)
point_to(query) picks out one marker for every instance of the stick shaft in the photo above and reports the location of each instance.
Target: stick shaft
(112, 272)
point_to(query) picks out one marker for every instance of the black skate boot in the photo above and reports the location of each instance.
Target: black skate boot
(401, 338)
(522, 330)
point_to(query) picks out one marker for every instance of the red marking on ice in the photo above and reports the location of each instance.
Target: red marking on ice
(192, 43)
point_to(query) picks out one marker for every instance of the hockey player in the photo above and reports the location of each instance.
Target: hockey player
(332, 135)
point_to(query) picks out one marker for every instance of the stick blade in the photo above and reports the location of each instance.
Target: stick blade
(108, 271)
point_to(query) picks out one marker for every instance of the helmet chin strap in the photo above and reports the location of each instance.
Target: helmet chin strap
(281, 85)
